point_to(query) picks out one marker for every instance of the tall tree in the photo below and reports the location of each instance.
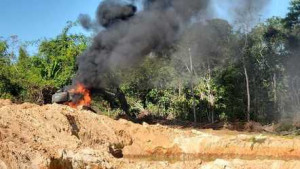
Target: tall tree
(293, 17)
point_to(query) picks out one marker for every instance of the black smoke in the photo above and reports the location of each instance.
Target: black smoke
(129, 34)
(86, 21)
(110, 12)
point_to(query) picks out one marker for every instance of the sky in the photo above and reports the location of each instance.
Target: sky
(273, 8)
(34, 19)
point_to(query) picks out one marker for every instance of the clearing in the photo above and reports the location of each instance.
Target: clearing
(60, 137)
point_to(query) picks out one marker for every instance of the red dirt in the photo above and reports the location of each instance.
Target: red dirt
(57, 136)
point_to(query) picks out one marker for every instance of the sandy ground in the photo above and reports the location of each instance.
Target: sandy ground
(59, 137)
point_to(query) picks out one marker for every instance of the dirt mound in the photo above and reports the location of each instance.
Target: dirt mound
(58, 137)
(5, 103)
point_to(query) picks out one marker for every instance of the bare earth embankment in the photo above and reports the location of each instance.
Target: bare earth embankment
(59, 137)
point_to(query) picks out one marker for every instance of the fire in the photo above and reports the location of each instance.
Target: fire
(83, 100)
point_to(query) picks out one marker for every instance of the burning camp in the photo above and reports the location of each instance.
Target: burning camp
(150, 84)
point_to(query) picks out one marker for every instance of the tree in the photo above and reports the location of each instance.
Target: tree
(35, 78)
(8, 88)
(293, 17)
(292, 24)
(246, 20)
(3, 49)
(22, 54)
(206, 45)
(59, 56)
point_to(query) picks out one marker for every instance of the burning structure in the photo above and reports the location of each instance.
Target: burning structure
(77, 96)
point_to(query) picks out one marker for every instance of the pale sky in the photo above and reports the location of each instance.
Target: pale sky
(34, 19)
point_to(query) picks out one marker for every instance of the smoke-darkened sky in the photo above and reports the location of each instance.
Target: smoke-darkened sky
(33, 19)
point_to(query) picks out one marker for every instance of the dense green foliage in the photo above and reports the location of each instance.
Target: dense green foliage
(212, 83)
(35, 78)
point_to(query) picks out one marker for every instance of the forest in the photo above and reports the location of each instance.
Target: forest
(215, 72)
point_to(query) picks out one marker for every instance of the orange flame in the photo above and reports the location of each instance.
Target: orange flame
(86, 99)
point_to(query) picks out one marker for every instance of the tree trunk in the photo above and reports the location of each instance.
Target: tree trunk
(212, 115)
(192, 85)
(210, 96)
(194, 106)
(275, 87)
(248, 93)
(276, 107)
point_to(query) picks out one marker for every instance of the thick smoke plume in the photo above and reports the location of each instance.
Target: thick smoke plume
(129, 35)
(111, 12)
